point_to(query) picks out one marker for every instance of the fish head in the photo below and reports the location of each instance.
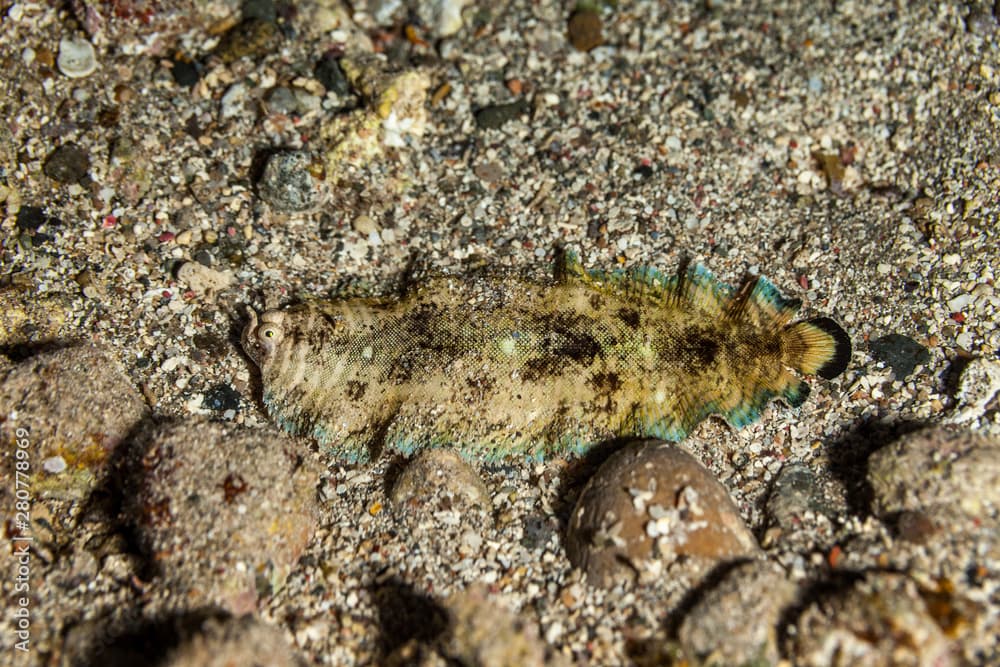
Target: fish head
(262, 336)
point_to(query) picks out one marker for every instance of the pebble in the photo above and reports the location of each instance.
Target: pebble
(364, 224)
(68, 164)
(259, 9)
(497, 115)
(585, 30)
(978, 385)
(938, 467)
(443, 16)
(440, 470)
(30, 218)
(880, 621)
(717, 631)
(204, 280)
(185, 72)
(329, 74)
(288, 184)
(959, 303)
(233, 102)
(652, 492)
(83, 428)
(252, 37)
(901, 353)
(224, 512)
(282, 100)
(795, 492)
(76, 58)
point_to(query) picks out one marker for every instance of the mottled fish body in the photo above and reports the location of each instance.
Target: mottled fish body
(501, 367)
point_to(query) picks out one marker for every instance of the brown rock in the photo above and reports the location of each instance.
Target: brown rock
(584, 30)
(223, 511)
(72, 407)
(937, 467)
(649, 504)
(234, 641)
(486, 635)
(881, 620)
(440, 470)
(716, 630)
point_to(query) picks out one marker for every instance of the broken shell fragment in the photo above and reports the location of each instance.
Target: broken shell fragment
(76, 58)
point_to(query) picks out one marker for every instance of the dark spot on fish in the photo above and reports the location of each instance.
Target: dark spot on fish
(629, 316)
(605, 382)
(538, 368)
(568, 337)
(356, 390)
(597, 302)
(480, 387)
(698, 348)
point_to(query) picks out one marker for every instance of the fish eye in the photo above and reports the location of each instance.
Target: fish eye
(269, 336)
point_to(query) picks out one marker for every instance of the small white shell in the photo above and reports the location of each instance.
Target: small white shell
(76, 57)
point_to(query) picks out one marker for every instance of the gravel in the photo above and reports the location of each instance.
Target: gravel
(849, 152)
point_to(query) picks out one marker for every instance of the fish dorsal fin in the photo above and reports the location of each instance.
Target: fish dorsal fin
(759, 301)
(691, 285)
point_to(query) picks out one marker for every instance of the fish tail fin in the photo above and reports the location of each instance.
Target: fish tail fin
(818, 346)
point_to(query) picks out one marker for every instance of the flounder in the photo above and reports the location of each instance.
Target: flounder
(501, 367)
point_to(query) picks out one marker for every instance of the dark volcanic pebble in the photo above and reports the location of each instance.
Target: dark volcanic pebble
(653, 493)
(77, 405)
(185, 72)
(30, 218)
(67, 164)
(901, 353)
(224, 512)
(493, 117)
(329, 74)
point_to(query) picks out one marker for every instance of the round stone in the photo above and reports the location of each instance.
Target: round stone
(880, 620)
(223, 512)
(716, 630)
(77, 58)
(67, 164)
(288, 184)
(937, 467)
(650, 504)
(439, 470)
(584, 30)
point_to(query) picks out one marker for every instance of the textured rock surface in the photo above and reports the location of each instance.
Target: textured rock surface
(235, 641)
(737, 621)
(650, 504)
(937, 467)
(74, 406)
(880, 621)
(224, 512)
(439, 470)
